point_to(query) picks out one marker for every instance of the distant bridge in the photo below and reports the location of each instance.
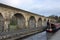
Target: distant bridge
(16, 23)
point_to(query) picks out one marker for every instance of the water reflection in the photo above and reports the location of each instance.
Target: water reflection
(39, 36)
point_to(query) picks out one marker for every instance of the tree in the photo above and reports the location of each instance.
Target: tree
(55, 17)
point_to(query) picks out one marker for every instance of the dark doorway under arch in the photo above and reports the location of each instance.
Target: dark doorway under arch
(44, 19)
(32, 22)
(39, 22)
(17, 22)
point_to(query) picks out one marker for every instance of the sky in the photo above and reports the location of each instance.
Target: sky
(41, 7)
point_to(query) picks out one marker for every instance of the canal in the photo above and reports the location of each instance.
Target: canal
(38, 36)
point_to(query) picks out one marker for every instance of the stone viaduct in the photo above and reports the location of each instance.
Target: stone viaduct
(13, 19)
(16, 22)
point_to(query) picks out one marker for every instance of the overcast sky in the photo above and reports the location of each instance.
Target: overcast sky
(41, 7)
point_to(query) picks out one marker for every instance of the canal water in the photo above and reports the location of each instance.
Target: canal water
(39, 36)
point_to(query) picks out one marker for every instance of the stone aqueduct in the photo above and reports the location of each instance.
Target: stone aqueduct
(13, 18)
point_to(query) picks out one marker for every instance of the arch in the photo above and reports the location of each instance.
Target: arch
(32, 22)
(17, 22)
(44, 22)
(1, 23)
(39, 22)
(44, 19)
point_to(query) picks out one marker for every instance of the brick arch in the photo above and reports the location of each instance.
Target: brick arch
(1, 22)
(32, 22)
(39, 22)
(18, 20)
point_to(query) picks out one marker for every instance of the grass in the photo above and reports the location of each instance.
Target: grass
(13, 27)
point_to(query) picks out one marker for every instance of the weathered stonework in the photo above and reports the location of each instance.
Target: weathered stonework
(8, 12)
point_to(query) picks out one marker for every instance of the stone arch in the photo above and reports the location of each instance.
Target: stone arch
(39, 22)
(44, 19)
(18, 20)
(45, 22)
(32, 22)
(1, 23)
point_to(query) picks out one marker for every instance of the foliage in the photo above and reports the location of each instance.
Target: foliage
(13, 22)
(55, 17)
